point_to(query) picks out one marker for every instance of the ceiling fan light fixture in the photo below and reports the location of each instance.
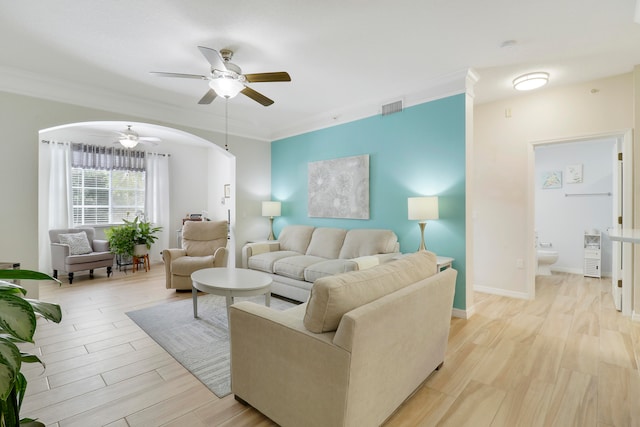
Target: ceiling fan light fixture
(531, 81)
(128, 141)
(226, 87)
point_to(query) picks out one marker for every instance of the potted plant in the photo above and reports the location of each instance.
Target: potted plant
(17, 325)
(124, 238)
(144, 236)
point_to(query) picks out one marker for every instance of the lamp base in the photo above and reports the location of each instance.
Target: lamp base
(422, 247)
(271, 236)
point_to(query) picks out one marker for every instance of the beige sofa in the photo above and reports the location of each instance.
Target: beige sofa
(353, 353)
(303, 253)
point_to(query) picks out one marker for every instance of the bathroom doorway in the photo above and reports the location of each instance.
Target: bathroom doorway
(573, 188)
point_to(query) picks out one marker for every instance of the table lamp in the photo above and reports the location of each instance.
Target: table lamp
(422, 209)
(271, 209)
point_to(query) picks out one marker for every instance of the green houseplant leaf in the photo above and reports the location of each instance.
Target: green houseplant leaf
(17, 325)
(17, 318)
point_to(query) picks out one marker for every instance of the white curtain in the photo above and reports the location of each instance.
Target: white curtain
(157, 200)
(55, 199)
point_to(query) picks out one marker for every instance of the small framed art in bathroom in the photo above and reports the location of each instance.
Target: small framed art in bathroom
(573, 174)
(552, 179)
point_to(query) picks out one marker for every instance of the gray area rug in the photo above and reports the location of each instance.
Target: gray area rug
(201, 345)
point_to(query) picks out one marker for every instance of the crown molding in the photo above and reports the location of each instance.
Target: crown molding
(442, 87)
(40, 86)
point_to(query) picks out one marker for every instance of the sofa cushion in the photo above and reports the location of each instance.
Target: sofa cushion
(333, 296)
(78, 243)
(361, 242)
(294, 266)
(264, 262)
(329, 268)
(326, 242)
(295, 238)
(88, 258)
(186, 265)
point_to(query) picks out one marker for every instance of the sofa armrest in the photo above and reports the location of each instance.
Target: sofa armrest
(407, 331)
(255, 248)
(293, 376)
(100, 245)
(59, 253)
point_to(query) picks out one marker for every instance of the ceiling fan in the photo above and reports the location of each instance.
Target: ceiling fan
(226, 78)
(130, 138)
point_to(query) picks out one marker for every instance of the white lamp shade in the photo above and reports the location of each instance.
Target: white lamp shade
(423, 208)
(271, 208)
(226, 87)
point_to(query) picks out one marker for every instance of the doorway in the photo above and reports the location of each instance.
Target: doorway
(566, 199)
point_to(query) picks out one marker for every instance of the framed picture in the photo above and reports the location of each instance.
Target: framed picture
(339, 188)
(573, 174)
(552, 179)
(227, 191)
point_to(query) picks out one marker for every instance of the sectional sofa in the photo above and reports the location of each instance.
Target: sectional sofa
(303, 253)
(353, 353)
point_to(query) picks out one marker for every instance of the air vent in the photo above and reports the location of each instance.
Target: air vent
(393, 107)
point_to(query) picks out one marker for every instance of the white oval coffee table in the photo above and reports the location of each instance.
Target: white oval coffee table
(230, 283)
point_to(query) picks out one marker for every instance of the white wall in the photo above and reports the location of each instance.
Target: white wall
(22, 117)
(562, 215)
(501, 143)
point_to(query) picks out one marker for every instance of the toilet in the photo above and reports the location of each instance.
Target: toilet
(546, 257)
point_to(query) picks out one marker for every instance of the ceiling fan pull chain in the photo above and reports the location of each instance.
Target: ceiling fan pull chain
(226, 124)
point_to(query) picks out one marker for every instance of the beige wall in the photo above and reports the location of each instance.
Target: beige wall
(22, 117)
(501, 150)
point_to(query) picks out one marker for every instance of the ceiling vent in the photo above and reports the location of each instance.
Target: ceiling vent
(392, 107)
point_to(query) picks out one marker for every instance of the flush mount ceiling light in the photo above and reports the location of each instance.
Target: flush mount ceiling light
(531, 81)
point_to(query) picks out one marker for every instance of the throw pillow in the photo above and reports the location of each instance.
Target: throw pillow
(78, 243)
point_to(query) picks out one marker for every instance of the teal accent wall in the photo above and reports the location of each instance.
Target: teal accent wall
(417, 152)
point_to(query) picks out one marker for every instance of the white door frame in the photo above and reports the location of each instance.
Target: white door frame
(530, 270)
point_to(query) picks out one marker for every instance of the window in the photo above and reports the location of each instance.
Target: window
(106, 196)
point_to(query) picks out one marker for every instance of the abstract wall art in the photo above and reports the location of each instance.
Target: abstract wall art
(339, 188)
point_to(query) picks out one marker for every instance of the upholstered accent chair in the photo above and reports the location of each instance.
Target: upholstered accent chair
(204, 245)
(76, 249)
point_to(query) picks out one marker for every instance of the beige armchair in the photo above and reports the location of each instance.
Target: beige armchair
(75, 249)
(204, 245)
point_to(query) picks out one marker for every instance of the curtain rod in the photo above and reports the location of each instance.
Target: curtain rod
(44, 141)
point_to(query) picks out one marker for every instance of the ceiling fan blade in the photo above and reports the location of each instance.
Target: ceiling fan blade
(281, 76)
(213, 57)
(208, 97)
(186, 76)
(149, 139)
(256, 96)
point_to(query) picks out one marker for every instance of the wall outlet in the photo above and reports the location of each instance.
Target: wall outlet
(519, 263)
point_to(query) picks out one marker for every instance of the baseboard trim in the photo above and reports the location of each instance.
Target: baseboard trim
(462, 314)
(635, 316)
(501, 292)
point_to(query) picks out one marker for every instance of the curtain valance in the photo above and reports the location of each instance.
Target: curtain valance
(99, 157)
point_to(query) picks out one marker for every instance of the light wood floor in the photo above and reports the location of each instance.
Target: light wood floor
(566, 359)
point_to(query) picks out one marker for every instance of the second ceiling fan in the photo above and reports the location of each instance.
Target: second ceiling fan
(226, 78)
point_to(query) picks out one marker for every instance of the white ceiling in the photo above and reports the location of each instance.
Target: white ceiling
(346, 58)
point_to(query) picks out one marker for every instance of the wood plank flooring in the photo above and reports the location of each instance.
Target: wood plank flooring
(566, 359)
